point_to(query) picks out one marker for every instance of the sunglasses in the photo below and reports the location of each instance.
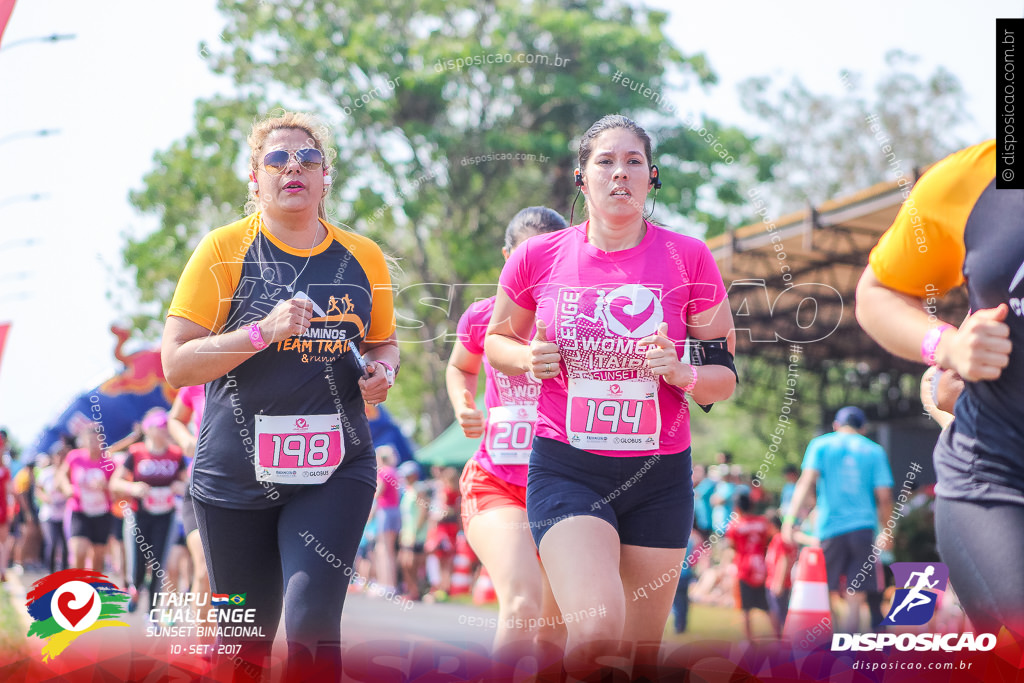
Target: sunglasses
(308, 157)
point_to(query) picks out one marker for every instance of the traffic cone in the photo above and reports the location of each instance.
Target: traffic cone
(462, 567)
(483, 589)
(809, 621)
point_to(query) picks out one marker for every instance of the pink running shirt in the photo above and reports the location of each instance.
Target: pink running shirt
(597, 305)
(500, 389)
(89, 481)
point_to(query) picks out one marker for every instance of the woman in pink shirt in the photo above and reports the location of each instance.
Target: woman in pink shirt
(84, 478)
(389, 519)
(609, 492)
(493, 483)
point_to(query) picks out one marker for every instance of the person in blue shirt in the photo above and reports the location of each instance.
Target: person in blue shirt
(703, 487)
(853, 482)
(721, 499)
(791, 473)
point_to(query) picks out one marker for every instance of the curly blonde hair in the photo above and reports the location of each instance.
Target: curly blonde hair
(319, 137)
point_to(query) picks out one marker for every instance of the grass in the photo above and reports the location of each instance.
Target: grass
(711, 622)
(12, 628)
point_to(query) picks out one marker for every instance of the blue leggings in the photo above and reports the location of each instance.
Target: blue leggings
(297, 556)
(983, 547)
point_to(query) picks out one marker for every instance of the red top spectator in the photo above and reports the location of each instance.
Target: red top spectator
(780, 558)
(749, 535)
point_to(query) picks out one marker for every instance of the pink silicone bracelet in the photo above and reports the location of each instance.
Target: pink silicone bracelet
(931, 343)
(256, 337)
(693, 381)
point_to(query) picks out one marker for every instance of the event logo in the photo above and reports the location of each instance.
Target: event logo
(914, 603)
(72, 602)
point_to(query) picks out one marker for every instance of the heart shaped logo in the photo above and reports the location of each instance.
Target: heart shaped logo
(75, 606)
(633, 311)
(622, 310)
(72, 614)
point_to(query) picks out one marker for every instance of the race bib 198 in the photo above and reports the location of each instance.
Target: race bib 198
(298, 449)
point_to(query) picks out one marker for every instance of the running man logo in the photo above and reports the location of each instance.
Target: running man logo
(914, 603)
(70, 603)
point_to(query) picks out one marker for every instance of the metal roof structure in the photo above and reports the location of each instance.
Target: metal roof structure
(793, 280)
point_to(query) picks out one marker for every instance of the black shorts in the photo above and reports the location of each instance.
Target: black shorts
(96, 529)
(752, 597)
(117, 527)
(849, 555)
(647, 499)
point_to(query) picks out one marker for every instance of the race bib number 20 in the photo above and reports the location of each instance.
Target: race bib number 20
(510, 433)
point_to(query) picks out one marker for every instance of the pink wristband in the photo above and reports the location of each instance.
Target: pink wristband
(256, 337)
(693, 380)
(931, 343)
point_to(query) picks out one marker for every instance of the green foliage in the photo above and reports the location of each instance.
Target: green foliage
(423, 95)
(826, 146)
(194, 186)
(772, 400)
(914, 536)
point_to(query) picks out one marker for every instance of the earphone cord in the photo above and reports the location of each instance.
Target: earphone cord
(573, 209)
(654, 204)
(259, 255)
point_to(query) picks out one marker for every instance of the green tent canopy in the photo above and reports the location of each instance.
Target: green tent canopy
(451, 447)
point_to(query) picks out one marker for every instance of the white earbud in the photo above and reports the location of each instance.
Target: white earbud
(253, 186)
(327, 180)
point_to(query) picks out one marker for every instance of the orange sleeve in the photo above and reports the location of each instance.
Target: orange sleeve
(371, 260)
(208, 283)
(923, 251)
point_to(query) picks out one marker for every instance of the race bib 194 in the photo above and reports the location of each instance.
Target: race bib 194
(613, 416)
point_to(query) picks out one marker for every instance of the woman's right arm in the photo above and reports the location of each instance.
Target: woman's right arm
(461, 378)
(192, 354)
(506, 342)
(121, 483)
(63, 477)
(979, 350)
(177, 424)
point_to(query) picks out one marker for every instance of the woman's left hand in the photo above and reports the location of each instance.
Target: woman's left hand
(663, 359)
(375, 387)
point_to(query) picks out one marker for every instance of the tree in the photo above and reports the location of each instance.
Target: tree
(826, 145)
(452, 116)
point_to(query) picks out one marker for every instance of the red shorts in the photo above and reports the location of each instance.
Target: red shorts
(482, 491)
(442, 539)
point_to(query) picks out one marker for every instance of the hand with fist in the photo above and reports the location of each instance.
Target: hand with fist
(470, 418)
(545, 361)
(980, 349)
(663, 359)
(288, 319)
